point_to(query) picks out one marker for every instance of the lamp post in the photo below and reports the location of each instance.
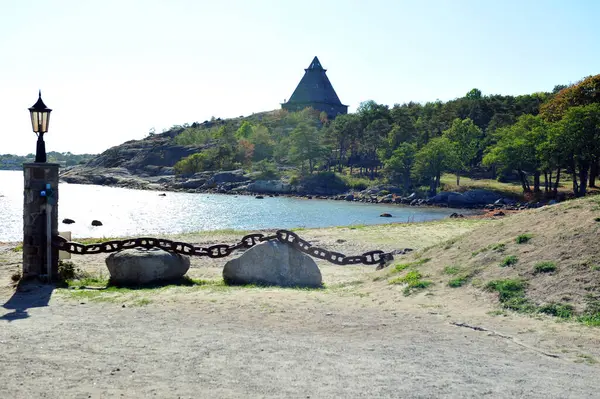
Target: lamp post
(40, 204)
(40, 118)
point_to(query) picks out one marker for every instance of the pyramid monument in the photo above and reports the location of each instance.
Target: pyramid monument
(315, 90)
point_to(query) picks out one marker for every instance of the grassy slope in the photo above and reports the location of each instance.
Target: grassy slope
(565, 234)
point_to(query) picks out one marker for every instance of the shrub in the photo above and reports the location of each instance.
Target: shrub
(544, 267)
(591, 315)
(564, 311)
(66, 270)
(267, 170)
(507, 289)
(458, 282)
(523, 238)
(509, 261)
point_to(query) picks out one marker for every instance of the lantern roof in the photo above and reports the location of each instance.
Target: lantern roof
(39, 105)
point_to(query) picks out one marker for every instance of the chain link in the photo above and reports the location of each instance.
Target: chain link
(290, 238)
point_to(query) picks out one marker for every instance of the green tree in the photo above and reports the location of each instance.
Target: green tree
(432, 160)
(519, 148)
(244, 131)
(579, 140)
(465, 137)
(305, 146)
(399, 166)
(263, 143)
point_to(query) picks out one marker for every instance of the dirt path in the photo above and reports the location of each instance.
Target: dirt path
(357, 338)
(309, 348)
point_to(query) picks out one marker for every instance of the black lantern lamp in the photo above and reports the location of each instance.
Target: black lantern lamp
(40, 118)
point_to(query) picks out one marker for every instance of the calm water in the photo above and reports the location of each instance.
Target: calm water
(134, 212)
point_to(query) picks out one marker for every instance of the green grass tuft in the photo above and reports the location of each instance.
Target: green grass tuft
(458, 282)
(509, 261)
(562, 310)
(412, 280)
(403, 266)
(523, 238)
(451, 270)
(511, 294)
(544, 267)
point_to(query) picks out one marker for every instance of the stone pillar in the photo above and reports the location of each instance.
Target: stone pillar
(37, 176)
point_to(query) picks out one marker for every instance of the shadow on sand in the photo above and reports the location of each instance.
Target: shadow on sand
(27, 295)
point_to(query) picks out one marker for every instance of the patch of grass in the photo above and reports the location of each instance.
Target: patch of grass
(18, 248)
(511, 294)
(458, 281)
(544, 267)
(403, 266)
(562, 310)
(509, 261)
(451, 270)
(498, 247)
(413, 282)
(591, 314)
(87, 241)
(448, 182)
(523, 238)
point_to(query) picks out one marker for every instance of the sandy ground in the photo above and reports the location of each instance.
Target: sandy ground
(356, 338)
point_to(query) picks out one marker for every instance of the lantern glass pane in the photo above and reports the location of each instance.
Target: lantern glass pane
(35, 121)
(44, 122)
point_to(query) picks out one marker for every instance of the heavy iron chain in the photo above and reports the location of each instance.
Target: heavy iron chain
(379, 258)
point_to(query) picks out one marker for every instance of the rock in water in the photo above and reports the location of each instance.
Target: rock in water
(141, 266)
(273, 263)
(68, 221)
(96, 223)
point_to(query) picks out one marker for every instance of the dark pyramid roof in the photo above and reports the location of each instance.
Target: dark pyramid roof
(315, 64)
(315, 87)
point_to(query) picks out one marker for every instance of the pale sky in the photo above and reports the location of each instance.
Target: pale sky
(113, 69)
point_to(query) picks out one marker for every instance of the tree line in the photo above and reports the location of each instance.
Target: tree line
(550, 135)
(15, 162)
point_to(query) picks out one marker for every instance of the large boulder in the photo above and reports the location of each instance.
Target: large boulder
(269, 186)
(142, 266)
(273, 263)
(232, 176)
(471, 198)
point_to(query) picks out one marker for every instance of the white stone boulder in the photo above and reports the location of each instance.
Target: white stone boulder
(273, 263)
(143, 266)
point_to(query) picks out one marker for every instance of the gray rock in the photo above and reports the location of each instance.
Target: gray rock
(481, 197)
(270, 186)
(349, 197)
(193, 183)
(229, 176)
(141, 266)
(273, 263)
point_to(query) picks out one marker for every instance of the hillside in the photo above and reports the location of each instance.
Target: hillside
(544, 260)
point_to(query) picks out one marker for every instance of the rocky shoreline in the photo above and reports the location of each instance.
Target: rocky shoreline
(237, 182)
